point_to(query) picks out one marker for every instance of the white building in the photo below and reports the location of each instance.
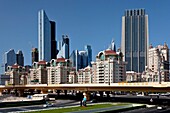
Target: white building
(109, 67)
(59, 71)
(158, 61)
(38, 73)
(84, 76)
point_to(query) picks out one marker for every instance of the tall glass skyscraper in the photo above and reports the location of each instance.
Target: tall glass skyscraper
(46, 37)
(89, 54)
(135, 40)
(63, 47)
(9, 59)
(20, 58)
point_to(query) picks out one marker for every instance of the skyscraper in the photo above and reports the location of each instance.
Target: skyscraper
(135, 40)
(89, 54)
(34, 55)
(46, 37)
(63, 47)
(9, 59)
(20, 58)
(53, 41)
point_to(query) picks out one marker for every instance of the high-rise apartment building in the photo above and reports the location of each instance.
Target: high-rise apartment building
(158, 63)
(89, 54)
(9, 59)
(109, 67)
(20, 58)
(135, 40)
(46, 37)
(63, 47)
(34, 54)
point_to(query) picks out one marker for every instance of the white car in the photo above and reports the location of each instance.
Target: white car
(48, 105)
(161, 107)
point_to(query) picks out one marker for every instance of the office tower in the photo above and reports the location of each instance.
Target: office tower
(34, 55)
(9, 59)
(135, 39)
(53, 41)
(83, 59)
(46, 37)
(89, 54)
(20, 58)
(75, 59)
(63, 47)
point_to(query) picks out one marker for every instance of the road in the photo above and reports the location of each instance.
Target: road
(58, 103)
(148, 110)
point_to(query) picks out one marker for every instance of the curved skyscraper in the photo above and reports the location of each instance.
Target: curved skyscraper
(135, 40)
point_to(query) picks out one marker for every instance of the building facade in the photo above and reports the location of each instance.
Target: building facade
(88, 49)
(109, 67)
(34, 54)
(158, 63)
(53, 40)
(84, 76)
(18, 75)
(38, 73)
(135, 40)
(20, 58)
(63, 47)
(9, 59)
(46, 37)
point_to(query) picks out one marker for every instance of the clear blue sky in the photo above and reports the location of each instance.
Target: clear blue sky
(93, 22)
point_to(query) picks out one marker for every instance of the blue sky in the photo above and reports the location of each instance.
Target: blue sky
(93, 22)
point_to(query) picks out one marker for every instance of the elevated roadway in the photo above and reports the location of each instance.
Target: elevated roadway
(140, 86)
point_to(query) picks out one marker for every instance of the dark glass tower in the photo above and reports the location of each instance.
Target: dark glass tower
(89, 54)
(34, 55)
(20, 58)
(135, 40)
(53, 41)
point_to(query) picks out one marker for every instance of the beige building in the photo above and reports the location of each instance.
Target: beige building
(158, 61)
(132, 76)
(38, 73)
(84, 76)
(59, 70)
(73, 77)
(109, 67)
(55, 72)
(18, 75)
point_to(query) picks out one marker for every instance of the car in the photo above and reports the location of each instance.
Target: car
(48, 105)
(161, 107)
(93, 101)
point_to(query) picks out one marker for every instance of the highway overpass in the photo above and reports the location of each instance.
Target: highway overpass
(139, 86)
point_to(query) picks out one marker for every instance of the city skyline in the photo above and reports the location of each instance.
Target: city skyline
(83, 21)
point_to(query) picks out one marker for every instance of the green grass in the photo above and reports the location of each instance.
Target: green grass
(72, 109)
